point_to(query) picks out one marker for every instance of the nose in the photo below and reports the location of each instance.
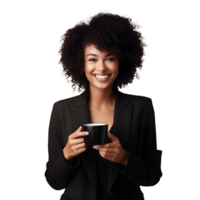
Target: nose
(102, 67)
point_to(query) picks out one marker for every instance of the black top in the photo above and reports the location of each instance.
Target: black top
(102, 173)
(135, 128)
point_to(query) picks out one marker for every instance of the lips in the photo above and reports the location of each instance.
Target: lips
(102, 75)
(101, 80)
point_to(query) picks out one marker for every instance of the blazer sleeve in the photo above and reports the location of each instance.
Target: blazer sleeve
(58, 171)
(145, 170)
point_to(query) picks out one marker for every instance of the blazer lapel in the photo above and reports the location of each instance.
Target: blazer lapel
(121, 129)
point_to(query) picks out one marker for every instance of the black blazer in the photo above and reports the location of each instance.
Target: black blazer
(134, 125)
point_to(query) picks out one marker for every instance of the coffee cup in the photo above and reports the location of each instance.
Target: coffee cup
(97, 133)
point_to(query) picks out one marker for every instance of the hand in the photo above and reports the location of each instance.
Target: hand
(75, 144)
(113, 151)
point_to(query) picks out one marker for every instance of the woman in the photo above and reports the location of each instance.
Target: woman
(100, 57)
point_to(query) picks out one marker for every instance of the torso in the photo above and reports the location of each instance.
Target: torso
(102, 116)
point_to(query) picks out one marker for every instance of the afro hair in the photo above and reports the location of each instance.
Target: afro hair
(107, 32)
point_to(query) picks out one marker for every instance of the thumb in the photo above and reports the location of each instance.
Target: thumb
(79, 128)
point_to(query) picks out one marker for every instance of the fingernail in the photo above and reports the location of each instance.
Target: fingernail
(95, 146)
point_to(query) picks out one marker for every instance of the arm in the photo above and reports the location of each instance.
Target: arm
(144, 168)
(58, 172)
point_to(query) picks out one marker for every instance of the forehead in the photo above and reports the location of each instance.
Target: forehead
(93, 49)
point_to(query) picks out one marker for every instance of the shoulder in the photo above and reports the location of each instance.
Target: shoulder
(64, 103)
(137, 100)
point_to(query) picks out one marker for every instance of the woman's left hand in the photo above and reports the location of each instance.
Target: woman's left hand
(113, 151)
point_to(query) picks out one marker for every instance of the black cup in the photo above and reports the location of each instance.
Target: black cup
(97, 133)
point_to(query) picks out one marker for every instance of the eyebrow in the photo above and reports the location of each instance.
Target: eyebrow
(90, 54)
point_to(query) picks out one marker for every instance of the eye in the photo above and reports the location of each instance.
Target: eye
(92, 59)
(108, 59)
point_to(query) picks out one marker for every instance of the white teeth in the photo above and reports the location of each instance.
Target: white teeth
(102, 77)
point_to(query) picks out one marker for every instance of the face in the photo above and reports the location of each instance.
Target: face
(105, 64)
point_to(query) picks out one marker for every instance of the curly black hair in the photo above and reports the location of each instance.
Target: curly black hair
(107, 32)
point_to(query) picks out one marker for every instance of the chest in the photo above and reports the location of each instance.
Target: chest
(102, 116)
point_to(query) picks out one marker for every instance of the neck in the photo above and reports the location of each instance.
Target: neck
(101, 98)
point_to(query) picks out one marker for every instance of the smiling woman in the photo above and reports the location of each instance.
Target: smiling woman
(101, 57)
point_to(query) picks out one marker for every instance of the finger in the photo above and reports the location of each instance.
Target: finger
(74, 135)
(79, 146)
(107, 150)
(107, 145)
(106, 155)
(100, 149)
(78, 141)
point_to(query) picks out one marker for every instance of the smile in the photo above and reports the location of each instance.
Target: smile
(102, 78)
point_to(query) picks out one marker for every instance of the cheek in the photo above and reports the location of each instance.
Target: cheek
(116, 71)
(88, 73)
(88, 68)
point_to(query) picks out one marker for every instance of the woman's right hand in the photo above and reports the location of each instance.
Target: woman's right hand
(75, 145)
